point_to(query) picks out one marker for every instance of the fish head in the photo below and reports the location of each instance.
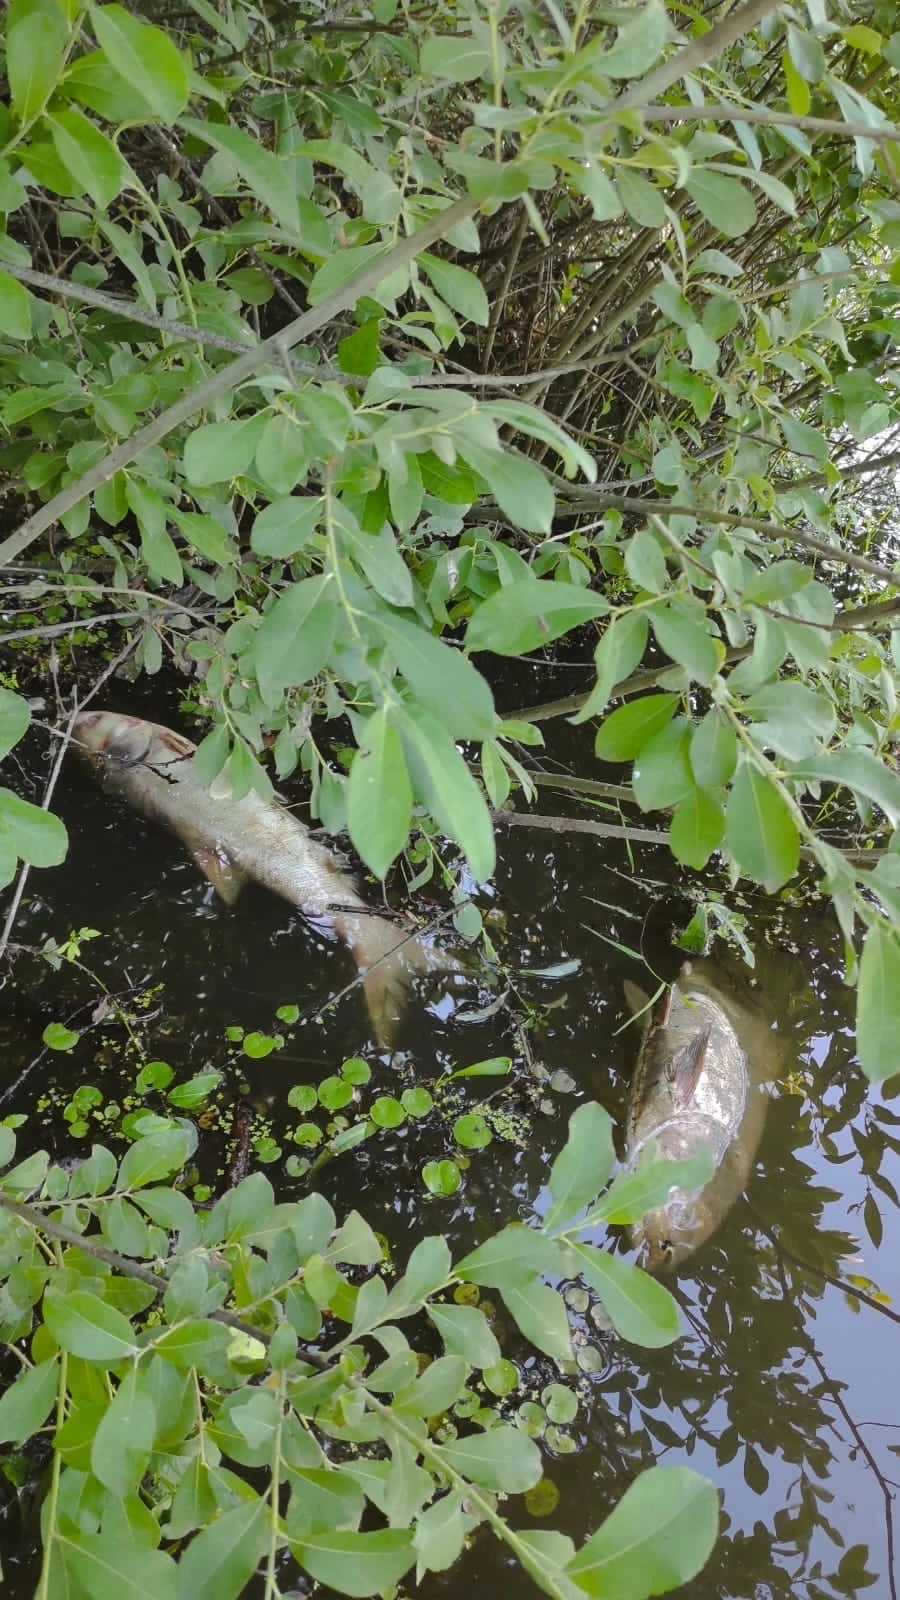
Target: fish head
(666, 1237)
(106, 736)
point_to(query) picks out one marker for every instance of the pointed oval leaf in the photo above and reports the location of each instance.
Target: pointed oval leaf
(760, 830)
(623, 734)
(529, 613)
(442, 679)
(357, 1564)
(583, 1165)
(540, 1314)
(294, 639)
(36, 835)
(379, 797)
(620, 650)
(639, 1308)
(85, 1325)
(24, 1406)
(145, 57)
(503, 1459)
(657, 1538)
(445, 784)
(466, 1332)
(878, 1002)
(220, 1561)
(15, 716)
(697, 828)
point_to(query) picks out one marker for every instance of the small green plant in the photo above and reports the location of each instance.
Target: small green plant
(206, 1391)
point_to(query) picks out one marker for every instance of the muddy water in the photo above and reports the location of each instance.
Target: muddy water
(781, 1389)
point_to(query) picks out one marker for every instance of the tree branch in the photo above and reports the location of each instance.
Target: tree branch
(235, 373)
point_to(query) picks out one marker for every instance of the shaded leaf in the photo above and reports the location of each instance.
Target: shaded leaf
(657, 1538)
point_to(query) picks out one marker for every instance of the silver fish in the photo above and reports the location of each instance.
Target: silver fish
(699, 1085)
(235, 840)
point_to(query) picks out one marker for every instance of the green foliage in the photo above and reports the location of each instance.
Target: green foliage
(325, 1413)
(355, 518)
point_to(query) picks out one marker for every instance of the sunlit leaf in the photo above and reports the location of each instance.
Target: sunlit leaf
(878, 1002)
(760, 830)
(583, 1165)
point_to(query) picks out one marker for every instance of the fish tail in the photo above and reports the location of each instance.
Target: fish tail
(389, 958)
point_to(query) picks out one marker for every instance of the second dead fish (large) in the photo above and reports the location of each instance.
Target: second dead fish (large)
(699, 1084)
(234, 840)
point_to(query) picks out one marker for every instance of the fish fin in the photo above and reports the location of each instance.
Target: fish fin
(225, 877)
(635, 998)
(389, 959)
(687, 1066)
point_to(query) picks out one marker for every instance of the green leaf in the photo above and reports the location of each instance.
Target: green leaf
(645, 562)
(294, 640)
(503, 1459)
(208, 537)
(696, 829)
(193, 1343)
(529, 613)
(642, 200)
(265, 175)
(466, 1332)
(441, 678)
(25, 1405)
(379, 797)
(89, 155)
(447, 787)
(108, 1567)
(519, 487)
(777, 582)
(638, 45)
(713, 750)
(583, 1164)
(662, 773)
(285, 527)
(441, 1177)
(639, 1308)
(85, 1325)
(36, 835)
(124, 1438)
(540, 1314)
(858, 770)
(657, 1538)
(623, 734)
(440, 1385)
(472, 1130)
(156, 1156)
(37, 35)
(357, 1564)
(632, 1194)
(15, 716)
(459, 287)
(514, 1254)
(221, 1560)
(681, 631)
(760, 830)
(218, 452)
(146, 58)
(456, 58)
(15, 313)
(56, 1036)
(620, 650)
(878, 1002)
(723, 201)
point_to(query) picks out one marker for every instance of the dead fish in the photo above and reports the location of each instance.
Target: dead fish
(699, 1084)
(235, 840)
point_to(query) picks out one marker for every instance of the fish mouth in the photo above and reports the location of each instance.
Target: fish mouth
(108, 735)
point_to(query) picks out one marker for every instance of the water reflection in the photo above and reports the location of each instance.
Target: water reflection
(782, 1389)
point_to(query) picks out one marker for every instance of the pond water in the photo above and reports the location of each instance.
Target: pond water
(782, 1389)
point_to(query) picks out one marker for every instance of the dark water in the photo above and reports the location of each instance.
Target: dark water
(783, 1391)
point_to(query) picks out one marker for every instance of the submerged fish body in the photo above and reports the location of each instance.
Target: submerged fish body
(235, 840)
(699, 1085)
